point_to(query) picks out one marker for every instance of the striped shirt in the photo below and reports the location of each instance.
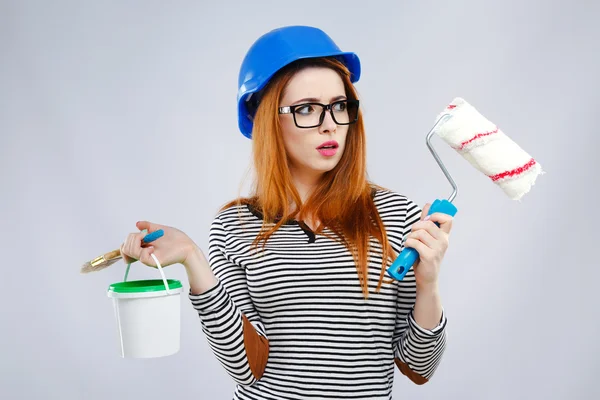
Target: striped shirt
(291, 322)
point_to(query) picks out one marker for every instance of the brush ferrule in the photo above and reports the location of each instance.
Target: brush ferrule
(97, 261)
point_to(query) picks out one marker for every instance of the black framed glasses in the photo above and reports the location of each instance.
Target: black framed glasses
(311, 115)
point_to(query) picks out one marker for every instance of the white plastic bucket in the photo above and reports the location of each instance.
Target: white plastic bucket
(148, 314)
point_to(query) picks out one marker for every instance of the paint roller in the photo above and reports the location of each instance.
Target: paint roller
(485, 147)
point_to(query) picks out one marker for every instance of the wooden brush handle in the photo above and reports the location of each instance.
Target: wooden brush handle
(113, 255)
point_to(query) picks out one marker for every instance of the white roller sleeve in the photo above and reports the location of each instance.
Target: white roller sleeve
(488, 149)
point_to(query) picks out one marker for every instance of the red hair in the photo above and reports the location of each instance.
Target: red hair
(343, 198)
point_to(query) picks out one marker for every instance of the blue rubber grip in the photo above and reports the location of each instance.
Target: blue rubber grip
(409, 256)
(151, 237)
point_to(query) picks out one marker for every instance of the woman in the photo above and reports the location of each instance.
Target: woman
(293, 299)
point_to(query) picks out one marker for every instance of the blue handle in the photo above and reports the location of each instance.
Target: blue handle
(151, 237)
(408, 256)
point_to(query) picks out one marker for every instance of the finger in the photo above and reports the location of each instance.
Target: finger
(424, 237)
(133, 245)
(419, 246)
(146, 258)
(127, 251)
(126, 258)
(425, 211)
(128, 247)
(444, 220)
(430, 227)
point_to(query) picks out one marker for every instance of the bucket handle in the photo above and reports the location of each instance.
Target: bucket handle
(160, 269)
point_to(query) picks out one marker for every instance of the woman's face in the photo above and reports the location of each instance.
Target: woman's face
(317, 85)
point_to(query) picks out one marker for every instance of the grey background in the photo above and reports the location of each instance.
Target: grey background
(111, 112)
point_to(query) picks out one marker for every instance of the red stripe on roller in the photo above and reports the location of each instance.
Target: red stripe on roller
(514, 172)
(479, 135)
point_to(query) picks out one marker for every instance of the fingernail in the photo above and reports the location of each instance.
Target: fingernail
(427, 218)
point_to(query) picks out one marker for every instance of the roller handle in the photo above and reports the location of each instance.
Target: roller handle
(409, 256)
(151, 237)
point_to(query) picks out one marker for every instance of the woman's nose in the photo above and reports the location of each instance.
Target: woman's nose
(328, 124)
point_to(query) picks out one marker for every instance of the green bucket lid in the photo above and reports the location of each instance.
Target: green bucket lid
(151, 285)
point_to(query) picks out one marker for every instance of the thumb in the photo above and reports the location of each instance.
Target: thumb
(150, 227)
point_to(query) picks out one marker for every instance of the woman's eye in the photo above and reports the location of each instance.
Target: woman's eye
(339, 107)
(305, 109)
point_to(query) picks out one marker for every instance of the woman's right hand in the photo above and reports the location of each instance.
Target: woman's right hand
(174, 247)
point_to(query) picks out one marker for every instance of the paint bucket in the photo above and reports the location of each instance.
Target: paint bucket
(148, 314)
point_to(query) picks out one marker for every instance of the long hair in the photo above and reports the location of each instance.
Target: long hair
(342, 200)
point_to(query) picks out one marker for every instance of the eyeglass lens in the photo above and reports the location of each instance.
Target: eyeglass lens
(311, 114)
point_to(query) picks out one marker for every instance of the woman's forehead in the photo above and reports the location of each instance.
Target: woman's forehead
(319, 83)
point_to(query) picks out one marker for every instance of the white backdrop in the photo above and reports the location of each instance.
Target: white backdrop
(111, 112)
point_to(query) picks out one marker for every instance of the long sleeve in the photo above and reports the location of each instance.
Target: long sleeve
(417, 351)
(229, 320)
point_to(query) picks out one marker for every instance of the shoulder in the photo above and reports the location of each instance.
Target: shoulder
(389, 201)
(397, 211)
(234, 216)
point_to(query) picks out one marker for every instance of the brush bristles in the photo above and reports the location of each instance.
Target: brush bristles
(101, 262)
(89, 267)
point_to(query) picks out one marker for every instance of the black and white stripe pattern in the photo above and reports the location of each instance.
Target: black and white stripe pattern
(303, 294)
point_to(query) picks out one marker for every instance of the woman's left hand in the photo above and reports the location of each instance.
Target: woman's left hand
(431, 242)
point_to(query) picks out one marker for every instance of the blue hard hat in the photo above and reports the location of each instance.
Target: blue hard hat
(276, 49)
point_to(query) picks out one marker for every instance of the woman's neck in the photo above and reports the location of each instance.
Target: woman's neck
(305, 183)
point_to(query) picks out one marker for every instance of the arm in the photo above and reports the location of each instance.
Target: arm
(420, 335)
(229, 321)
